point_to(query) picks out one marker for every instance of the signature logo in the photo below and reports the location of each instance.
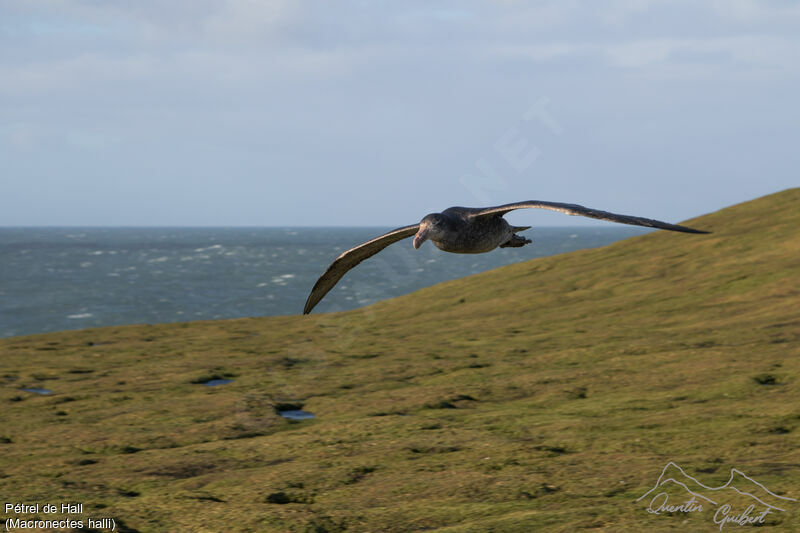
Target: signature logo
(741, 500)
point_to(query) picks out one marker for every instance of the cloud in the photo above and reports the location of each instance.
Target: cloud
(747, 50)
(246, 41)
(756, 11)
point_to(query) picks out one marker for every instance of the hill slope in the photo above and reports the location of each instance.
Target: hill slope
(546, 394)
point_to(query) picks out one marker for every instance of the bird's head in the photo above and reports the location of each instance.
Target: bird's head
(430, 227)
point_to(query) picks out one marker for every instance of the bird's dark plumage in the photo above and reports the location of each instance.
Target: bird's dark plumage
(465, 230)
(351, 258)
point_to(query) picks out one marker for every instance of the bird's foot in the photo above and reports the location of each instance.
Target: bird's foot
(515, 242)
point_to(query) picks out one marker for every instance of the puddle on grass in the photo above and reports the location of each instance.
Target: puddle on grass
(296, 414)
(38, 391)
(215, 382)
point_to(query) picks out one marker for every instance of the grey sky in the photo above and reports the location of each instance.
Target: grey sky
(200, 112)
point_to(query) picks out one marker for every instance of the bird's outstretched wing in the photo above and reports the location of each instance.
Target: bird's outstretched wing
(574, 209)
(351, 258)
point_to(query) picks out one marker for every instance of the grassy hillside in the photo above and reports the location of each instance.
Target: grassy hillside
(546, 395)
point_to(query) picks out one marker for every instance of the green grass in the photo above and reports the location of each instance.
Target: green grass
(546, 395)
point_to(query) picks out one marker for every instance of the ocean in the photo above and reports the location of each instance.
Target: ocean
(54, 279)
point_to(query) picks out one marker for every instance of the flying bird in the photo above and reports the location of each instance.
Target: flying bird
(465, 230)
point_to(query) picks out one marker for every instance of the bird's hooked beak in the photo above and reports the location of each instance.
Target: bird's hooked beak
(420, 237)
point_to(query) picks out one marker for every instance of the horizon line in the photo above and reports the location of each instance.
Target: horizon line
(251, 226)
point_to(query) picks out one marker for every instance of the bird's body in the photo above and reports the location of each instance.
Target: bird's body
(470, 235)
(465, 230)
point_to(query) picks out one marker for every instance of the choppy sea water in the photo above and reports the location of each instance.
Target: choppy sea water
(54, 279)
